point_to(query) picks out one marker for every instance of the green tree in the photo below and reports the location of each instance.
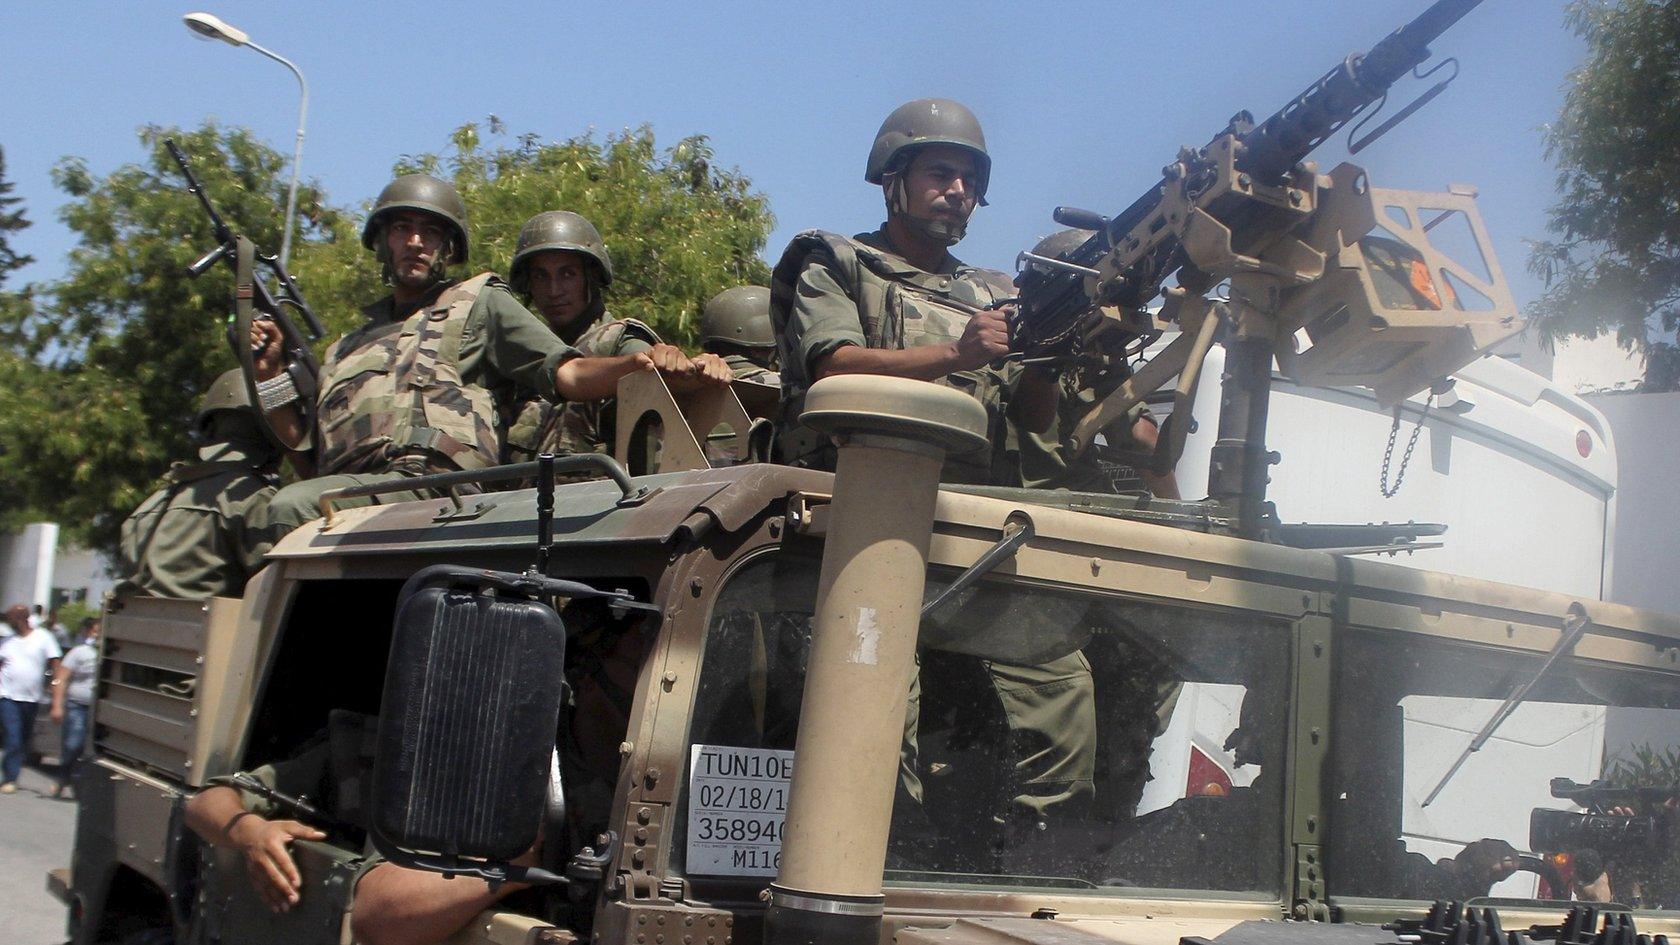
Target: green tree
(1614, 267)
(105, 366)
(678, 228)
(12, 220)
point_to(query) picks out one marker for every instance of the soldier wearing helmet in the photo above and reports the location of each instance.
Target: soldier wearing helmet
(1046, 459)
(561, 265)
(206, 529)
(896, 301)
(735, 325)
(411, 391)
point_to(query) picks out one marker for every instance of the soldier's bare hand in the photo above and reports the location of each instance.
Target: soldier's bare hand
(670, 359)
(265, 348)
(984, 339)
(712, 369)
(266, 845)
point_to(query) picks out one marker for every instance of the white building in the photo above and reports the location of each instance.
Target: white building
(36, 568)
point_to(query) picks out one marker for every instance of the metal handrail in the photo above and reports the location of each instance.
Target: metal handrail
(464, 477)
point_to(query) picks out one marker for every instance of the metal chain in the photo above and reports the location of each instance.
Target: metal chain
(1411, 444)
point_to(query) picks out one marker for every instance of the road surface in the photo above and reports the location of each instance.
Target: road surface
(35, 832)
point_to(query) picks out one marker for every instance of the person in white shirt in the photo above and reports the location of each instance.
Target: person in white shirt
(26, 658)
(72, 698)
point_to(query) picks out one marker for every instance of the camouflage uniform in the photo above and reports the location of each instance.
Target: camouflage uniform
(205, 531)
(828, 292)
(535, 425)
(407, 396)
(746, 369)
(1045, 461)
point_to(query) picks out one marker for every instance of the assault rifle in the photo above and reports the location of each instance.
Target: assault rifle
(253, 300)
(1291, 244)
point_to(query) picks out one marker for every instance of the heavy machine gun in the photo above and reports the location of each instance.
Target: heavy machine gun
(1392, 310)
(253, 300)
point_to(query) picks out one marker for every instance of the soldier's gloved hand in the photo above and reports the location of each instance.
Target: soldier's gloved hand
(1484, 862)
(266, 846)
(713, 369)
(984, 339)
(266, 349)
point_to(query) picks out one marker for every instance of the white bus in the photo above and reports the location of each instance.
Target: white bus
(1523, 475)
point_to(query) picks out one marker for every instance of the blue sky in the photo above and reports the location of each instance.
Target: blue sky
(1082, 102)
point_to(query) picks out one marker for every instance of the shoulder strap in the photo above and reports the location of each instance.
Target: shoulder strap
(635, 328)
(841, 254)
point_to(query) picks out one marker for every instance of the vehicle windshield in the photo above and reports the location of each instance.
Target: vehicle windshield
(1408, 706)
(1056, 739)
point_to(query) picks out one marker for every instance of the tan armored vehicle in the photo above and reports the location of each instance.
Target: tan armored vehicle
(773, 619)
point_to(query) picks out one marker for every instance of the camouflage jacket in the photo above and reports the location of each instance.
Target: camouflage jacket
(829, 291)
(205, 530)
(534, 425)
(417, 391)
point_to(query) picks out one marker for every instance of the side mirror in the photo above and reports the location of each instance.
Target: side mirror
(469, 720)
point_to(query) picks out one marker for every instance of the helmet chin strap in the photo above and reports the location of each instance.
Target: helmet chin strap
(945, 232)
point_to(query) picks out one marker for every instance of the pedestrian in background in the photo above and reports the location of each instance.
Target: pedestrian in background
(25, 660)
(60, 633)
(71, 698)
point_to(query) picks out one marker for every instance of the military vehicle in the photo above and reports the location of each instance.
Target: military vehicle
(730, 702)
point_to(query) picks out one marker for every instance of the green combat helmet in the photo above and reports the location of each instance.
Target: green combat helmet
(563, 230)
(228, 392)
(928, 121)
(420, 192)
(738, 316)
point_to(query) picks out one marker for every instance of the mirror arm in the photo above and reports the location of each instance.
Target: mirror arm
(1017, 531)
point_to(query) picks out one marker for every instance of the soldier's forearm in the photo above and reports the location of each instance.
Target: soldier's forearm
(396, 905)
(927, 363)
(287, 424)
(209, 812)
(594, 378)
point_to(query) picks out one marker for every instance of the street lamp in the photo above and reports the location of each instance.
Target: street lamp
(207, 27)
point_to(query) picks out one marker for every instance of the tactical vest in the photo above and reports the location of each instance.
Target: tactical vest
(895, 313)
(575, 426)
(392, 394)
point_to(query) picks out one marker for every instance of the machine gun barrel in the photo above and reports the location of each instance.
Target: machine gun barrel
(1285, 139)
(1052, 300)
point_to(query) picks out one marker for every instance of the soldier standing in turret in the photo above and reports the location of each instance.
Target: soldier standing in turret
(896, 302)
(410, 392)
(562, 266)
(204, 532)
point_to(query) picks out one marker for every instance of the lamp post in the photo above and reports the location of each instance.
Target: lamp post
(206, 26)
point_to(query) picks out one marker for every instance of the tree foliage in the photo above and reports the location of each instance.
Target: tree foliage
(111, 359)
(103, 368)
(1614, 266)
(678, 228)
(12, 220)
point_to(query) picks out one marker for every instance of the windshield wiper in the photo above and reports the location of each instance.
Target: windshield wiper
(1017, 531)
(1575, 625)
